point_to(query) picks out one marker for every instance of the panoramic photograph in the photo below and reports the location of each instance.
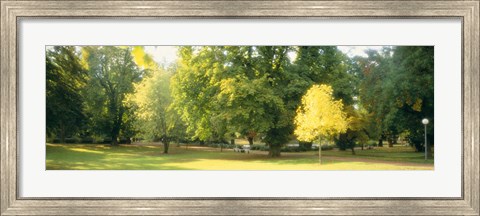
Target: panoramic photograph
(239, 107)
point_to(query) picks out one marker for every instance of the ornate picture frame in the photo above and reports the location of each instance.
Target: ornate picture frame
(12, 11)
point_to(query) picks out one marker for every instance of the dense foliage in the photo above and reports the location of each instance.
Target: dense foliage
(397, 90)
(215, 94)
(66, 77)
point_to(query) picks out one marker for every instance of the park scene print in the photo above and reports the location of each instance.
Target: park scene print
(239, 107)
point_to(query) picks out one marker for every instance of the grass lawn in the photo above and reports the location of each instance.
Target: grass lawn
(150, 157)
(394, 154)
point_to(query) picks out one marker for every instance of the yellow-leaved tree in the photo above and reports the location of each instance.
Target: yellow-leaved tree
(319, 116)
(155, 118)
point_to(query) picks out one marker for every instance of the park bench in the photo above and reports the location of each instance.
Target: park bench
(242, 149)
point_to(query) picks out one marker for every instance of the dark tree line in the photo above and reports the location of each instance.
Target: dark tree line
(86, 89)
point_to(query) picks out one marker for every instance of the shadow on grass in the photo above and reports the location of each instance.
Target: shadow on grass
(89, 157)
(150, 157)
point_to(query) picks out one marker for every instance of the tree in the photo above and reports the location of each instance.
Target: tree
(246, 95)
(319, 115)
(155, 117)
(397, 91)
(357, 130)
(274, 64)
(223, 90)
(246, 105)
(324, 64)
(112, 72)
(65, 77)
(373, 98)
(219, 91)
(411, 87)
(321, 64)
(194, 91)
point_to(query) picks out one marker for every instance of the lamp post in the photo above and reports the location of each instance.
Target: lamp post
(425, 122)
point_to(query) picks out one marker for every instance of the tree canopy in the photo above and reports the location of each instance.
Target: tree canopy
(65, 77)
(397, 91)
(112, 73)
(319, 115)
(212, 94)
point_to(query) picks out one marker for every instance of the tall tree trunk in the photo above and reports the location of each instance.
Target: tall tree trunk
(394, 139)
(232, 142)
(115, 133)
(380, 142)
(62, 134)
(114, 139)
(250, 140)
(353, 150)
(250, 136)
(116, 127)
(166, 145)
(274, 150)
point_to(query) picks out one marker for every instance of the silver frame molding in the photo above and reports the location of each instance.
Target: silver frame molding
(11, 11)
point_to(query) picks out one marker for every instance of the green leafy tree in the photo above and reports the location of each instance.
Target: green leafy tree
(112, 71)
(253, 90)
(397, 90)
(411, 88)
(246, 95)
(374, 74)
(274, 64)
(323, 64)
(155, 117)
(223, 90)
(65, 80)
(194, 90)
(357, 130)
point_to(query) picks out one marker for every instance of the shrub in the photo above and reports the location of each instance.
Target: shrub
(327, 147)
(324, 147)
(255, 147)
(213, 145)
(106, 140)
(56, 140)
(259, 147)
(97, 140)
(305, 148)
(345, 141)
(292, 149)
(220, 145)
(229, 146)
(124, 140)
(372, 143)
(73, 140)
(87, 140)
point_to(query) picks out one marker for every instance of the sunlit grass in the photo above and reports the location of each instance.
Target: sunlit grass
(150, 157)
(394, 154)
